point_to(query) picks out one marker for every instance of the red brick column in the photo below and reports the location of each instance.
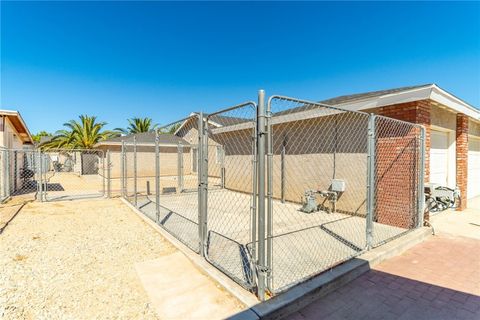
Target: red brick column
(462, 157)
(415, 112)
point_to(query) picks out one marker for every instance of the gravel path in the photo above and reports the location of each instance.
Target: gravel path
(75, 260)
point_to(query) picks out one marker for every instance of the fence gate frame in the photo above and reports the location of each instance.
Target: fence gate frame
(104, 171)
(203, 172)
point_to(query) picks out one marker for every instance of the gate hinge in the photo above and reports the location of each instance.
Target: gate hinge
(263, 269)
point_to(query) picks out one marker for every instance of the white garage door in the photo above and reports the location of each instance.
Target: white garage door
(473, 184)
(438, 157)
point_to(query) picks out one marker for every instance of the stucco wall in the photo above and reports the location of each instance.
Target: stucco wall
(316, 151)
(474, 128)
(443, 118)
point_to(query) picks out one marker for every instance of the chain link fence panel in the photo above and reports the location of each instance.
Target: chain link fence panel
(397, 163)
(317, 189)
(231, 216)
(73, 174)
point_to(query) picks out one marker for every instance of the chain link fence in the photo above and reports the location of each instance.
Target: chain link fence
(272, 197)
(230, 209)
(73, 174)
(317, 189)
(270, 194)
(396, 178)
(19, 173)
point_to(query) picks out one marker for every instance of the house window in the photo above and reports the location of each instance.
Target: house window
(219, 155)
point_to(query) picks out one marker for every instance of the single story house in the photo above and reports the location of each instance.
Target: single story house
(312, 146)
(14, 135)
(171, 148)
(452, 130)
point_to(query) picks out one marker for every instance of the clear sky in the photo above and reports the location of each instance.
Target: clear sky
(118, 60)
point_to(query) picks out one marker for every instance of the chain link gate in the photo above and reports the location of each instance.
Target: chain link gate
(338, 183)
(70, 174)
(161, 179)
(229, 176)
(20, 173)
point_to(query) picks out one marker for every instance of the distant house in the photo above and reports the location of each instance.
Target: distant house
(14, 136)
(170, 146)
(14, 133)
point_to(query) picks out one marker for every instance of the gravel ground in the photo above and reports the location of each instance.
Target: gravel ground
(75, 260)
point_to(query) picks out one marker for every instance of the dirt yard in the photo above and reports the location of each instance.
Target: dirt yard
(76, 260)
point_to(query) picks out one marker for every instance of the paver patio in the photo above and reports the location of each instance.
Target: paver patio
(437, 279)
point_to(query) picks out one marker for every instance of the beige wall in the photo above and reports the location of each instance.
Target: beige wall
(443, 118)
(10, 139)
(474, 128)
(317, 150)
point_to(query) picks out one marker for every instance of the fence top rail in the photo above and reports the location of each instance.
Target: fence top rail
(318, 104)
(401, 121)
(71, 150)
(238, 106)
(307, 102)
(17, 149)
(192, 116)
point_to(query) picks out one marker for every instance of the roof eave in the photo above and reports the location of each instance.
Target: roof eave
(20, 118)
(432, 92)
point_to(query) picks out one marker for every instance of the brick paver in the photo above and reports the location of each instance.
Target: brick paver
(437, 279)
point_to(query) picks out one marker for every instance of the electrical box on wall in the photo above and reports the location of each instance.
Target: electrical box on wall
(338, 185)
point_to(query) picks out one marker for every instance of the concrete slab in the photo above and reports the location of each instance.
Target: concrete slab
(302, 244)
(464, 223)
(178, 290)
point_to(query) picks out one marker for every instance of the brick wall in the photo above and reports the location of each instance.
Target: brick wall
(415, 112)
(462, 157)
(397, 160)
(396, 165)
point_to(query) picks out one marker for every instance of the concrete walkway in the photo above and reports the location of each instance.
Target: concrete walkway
(437, 279)
(178, 290)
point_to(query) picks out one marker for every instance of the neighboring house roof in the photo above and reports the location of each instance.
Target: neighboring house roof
(19, 125)
(215, 120)
(146, 138)
(45, 139)
(367, 95)
(370, 100)
(375, 99)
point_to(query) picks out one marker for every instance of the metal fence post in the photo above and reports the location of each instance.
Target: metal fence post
(103, 173)
(269, 194)
(40, 174)
(109, 175)
(254, 192)
(202, 168)
(8, 173)
(135, 169)
(157, 176)
(179, 167)
(370, 180)
(421, 180)
(261, 268)
(122, 170)
(282, 173)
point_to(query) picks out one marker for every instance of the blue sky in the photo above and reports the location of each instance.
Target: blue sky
(118, 60)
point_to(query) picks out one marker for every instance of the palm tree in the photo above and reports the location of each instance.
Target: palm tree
(83, 134)
(138, 125)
